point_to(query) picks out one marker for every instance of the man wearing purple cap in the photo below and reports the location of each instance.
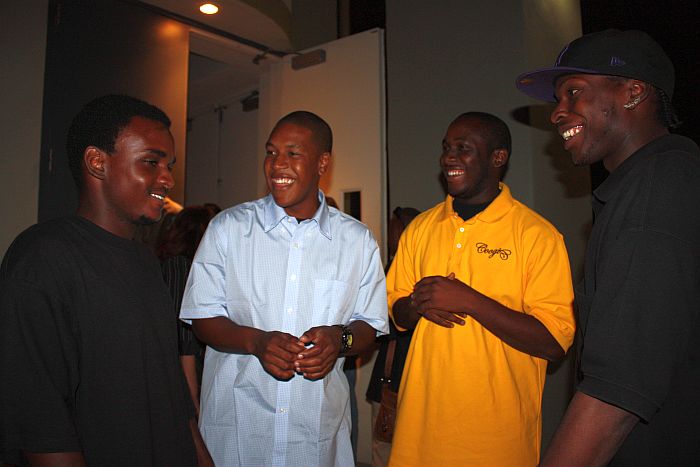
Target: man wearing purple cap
(637, 401)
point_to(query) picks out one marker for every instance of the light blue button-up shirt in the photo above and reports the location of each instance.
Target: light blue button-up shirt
(261, 268)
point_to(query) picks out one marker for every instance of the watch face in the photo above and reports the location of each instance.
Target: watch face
(346, 339)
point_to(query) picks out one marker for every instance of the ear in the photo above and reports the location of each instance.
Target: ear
(639, 90)
(323, 161)
(94, 160)
(500, 157)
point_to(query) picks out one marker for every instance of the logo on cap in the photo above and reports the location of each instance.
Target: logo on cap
(617, 61)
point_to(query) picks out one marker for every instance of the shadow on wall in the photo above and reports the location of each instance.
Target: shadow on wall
(575, 180)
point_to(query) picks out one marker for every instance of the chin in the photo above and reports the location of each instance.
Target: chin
(145, 220)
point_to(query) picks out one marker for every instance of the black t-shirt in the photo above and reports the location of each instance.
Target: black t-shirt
(89, 358)
(639, 302)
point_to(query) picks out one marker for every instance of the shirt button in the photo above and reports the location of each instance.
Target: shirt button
(290, 310)
(461, 229)
(295, 245)
(459, 245)
(289, 219)
(293, 277)
(284, 410)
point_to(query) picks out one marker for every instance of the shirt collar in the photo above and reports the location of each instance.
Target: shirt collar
(275, 214)
(493, 212)
(613, 183)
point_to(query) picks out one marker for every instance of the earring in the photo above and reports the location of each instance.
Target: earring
(633, 103)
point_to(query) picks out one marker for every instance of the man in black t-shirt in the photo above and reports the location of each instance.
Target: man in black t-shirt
(88, 349)
(636, 402)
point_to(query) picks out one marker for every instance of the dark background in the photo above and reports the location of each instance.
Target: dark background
(675, 24)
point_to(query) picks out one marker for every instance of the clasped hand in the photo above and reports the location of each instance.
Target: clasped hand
(442, 300)
(282, 355)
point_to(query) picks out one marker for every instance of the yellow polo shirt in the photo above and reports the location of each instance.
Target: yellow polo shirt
(466, 397)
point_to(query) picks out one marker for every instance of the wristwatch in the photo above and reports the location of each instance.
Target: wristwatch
(345, 339)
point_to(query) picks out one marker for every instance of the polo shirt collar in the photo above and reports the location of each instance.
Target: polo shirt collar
(274, 214)
(613, 183)
(498, 208)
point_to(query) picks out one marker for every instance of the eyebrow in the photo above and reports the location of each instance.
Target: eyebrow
(158, 152)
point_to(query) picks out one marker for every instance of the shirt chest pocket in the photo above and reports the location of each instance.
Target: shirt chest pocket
(331, 302)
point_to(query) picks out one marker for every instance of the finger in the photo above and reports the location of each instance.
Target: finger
(451, 276)
(311, 336)
(438, 320)
(310, 366)
(281, 372)
(284, 353)
(284, 341)
(443, 318)
(283, 362)
(319, 373)
(310, 352)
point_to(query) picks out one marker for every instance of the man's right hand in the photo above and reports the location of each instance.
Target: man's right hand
(277, 352)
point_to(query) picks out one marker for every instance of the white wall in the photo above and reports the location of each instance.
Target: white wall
(23, 39)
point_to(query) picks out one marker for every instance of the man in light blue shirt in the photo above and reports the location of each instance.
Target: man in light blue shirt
(281, 289)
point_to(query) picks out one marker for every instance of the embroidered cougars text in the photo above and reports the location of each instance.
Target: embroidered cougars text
(483, 248)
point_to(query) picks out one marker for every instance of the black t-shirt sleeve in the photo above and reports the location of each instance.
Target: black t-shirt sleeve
(640, 322)
(38, 366)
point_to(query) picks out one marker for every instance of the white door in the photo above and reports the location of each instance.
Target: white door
(347, 90)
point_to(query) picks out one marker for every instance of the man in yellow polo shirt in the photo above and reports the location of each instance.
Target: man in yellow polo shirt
(485, 282)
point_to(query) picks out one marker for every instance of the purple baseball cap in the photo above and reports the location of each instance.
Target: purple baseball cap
(629, 54)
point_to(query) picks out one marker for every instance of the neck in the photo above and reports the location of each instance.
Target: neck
(100, 217)
(634, 142)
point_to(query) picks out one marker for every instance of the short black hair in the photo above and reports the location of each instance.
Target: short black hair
(98, 124)
(496, 130)
(322, 134)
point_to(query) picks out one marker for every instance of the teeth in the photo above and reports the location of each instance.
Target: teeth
(571, 132)
(283, 181)
(455, 173)
(160, 197)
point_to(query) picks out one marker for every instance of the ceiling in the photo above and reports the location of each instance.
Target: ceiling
(222, 68)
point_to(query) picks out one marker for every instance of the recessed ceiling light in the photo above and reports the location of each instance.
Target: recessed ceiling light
(209, 9)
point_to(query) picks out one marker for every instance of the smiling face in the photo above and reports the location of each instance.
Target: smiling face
(293, 168)
(590, 118)
(471, 168)
(136, 176)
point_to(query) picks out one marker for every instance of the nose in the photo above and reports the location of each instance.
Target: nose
(448, 154)
(280, 160)
(166, 179)
(558, 113)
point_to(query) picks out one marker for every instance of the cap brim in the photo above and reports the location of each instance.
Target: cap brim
(539, 84)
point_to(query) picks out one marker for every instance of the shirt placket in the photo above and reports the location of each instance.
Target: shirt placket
(289, 325)
(459, 244)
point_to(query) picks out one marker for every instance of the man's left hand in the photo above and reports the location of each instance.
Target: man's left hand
(442, 300)
(317, 361)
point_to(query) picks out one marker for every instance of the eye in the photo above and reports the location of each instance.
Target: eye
(151, 162)
(293, 154)
(270, 153)
(572, 91)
